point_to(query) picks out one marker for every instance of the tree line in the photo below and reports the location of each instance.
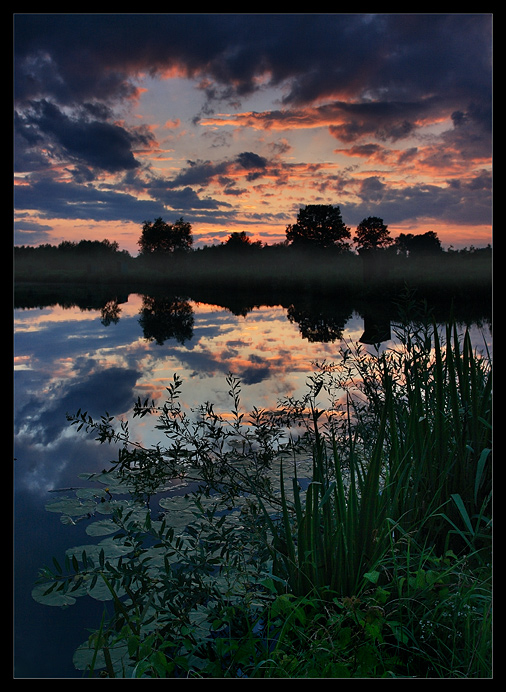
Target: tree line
(318, 227)
(98, 249)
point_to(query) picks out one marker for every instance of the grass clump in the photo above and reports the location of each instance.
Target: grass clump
(345, 540)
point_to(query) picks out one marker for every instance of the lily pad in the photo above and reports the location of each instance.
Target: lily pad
(104, 527)
(112, 549)
(54, 598)
(100, 592)
(72, 506)
(110, 479)
(91, 493)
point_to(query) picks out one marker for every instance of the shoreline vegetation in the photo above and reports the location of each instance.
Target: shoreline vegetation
(319, 258)
(372, 561)
(319, 255)
(273, 273)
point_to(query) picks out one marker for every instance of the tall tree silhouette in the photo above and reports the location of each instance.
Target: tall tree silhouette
(371, 239)
(372, 234)
(319, 226)
(320, 321)
(165, 238)
(420, 244)
(241, 241)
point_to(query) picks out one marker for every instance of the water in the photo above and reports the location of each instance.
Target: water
(100, 357)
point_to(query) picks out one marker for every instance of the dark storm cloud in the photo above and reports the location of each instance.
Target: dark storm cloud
(365, 75)
(203, 172)
(73, 201)
(252, 161)
(77, 57)
(93, 142)
(387, 120)
(28, 232)
(456, 202)
(199, 173)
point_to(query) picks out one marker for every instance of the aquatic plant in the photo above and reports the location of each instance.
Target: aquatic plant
(365, 524)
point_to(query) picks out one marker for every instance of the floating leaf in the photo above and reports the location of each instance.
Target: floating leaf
(41, 594)
(112, 549)
(105, 508)
(109, 479)
(104, 527)
(108, 507)
(90, 493)
(99, 591)
(73, 507)
(65, 519)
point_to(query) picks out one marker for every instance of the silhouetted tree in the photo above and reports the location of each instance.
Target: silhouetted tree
(240, 241)
(377, 326)
(95, 247)
(110, 312)
(421, 244)
(85, 255)
(320, 320)
(319, 226)
(371, 239)
(371, 234)
(165, 238)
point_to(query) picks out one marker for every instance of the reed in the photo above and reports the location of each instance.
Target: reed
(427, 473)
(381, 567)
(441, 440)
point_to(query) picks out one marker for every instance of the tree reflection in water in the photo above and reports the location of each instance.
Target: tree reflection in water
(168, 317)
(93, 358)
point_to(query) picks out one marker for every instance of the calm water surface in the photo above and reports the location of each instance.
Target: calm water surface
(101, 360)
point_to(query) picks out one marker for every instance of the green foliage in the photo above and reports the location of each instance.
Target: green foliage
(443, 608)
(372, 560)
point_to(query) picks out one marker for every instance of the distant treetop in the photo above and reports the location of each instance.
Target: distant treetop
(372, 233)
(159, 237)
(319, 226)
(240, 240)
(421, 244)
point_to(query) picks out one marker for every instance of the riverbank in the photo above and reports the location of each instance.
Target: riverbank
(273, 276)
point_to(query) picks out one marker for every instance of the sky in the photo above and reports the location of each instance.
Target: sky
(234, 122)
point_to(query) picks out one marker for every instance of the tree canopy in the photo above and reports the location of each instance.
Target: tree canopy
(240, 240)
(319, 226)
(371, 234)
(422, 244)
(160, 237)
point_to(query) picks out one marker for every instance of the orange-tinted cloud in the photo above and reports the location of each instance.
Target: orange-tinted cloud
(374, 113)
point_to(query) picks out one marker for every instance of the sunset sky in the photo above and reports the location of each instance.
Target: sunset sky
(236, 121)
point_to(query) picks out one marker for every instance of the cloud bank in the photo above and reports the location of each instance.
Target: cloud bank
(402, 104)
